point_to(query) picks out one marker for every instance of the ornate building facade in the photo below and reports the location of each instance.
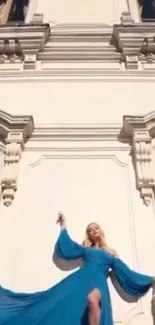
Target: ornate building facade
(77, 134)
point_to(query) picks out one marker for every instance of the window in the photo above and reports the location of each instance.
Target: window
(147, 9)
(13, 10)
(18, 11)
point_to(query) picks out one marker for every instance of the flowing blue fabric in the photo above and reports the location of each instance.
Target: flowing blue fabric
(67, 301)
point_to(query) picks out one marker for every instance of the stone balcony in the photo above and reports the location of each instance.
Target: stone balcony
(124, 46)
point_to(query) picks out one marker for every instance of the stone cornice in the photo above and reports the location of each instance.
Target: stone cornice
(22, 42)
(18, 38)
(140, 123)
(135, 41)
(77, 73)
(81, 30)
(77, 137)
(76, 42)
(74, 132)
(126, 42)
(15, 123)
(125, 45)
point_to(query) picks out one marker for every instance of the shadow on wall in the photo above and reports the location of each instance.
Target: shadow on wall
(66, 266)
(130, 299)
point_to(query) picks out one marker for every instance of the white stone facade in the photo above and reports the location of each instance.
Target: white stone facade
(77, 126)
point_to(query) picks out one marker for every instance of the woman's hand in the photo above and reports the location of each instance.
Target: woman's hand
(61, 220)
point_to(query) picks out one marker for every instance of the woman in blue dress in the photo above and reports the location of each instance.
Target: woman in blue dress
(83, 297)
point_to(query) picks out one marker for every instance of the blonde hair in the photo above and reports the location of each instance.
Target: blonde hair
(89, 243)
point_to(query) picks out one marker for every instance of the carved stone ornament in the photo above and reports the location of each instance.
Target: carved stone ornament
(23, 42)
(14, 131)
(133, 40)
(141, 129)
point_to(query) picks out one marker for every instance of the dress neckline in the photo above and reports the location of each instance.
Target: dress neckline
(101, 249)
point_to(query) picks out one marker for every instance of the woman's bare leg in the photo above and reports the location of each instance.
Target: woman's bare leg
(94, 310)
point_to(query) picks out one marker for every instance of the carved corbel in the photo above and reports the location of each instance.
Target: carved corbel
(133, 40)
(13, 152)
(141, 129)
(14, 130)
(143, 164)
(23, 42)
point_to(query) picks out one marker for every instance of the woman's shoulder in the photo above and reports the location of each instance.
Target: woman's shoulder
(86, 243)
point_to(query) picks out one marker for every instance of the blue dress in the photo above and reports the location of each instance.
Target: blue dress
(66, 302)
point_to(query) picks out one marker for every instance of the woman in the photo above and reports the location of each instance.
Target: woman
(82, 297)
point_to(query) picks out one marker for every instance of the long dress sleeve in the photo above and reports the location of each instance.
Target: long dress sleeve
(66, 248)
(131, 282)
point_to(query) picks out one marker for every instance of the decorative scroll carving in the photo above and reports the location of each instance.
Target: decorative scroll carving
(142, 129)
(10, 59)
(143, 164)
(13, 152)
(14, 130)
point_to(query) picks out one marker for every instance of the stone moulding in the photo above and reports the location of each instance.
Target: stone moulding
(129, 44)
(141, 130)
(22, 42)
(137, 133)
(134, 40)
(14, 132)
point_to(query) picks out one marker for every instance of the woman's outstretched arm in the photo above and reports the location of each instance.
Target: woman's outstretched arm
(133, 283)
(65, 247)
